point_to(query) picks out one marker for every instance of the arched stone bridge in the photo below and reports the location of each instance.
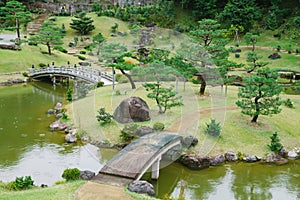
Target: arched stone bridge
(144, 153)
(86, 74)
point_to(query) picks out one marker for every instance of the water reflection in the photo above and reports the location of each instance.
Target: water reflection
(28, 147)
(45, 164)
(231, 181)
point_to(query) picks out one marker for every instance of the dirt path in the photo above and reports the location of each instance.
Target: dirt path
(98, 191)
(186, 121)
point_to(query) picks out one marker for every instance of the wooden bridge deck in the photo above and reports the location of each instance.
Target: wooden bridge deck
(131, 161)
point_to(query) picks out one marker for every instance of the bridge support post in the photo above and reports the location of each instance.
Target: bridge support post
(155, 168)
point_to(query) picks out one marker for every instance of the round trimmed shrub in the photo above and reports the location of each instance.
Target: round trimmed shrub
(158, 126)
(71, 174)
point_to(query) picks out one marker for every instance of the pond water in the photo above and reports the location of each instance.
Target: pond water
(28, 148)
(231, 181)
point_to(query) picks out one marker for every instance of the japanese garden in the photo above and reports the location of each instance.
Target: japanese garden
(175, 99)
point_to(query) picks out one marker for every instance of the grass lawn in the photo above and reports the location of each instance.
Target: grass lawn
(13, 61)
(287, 61)
(57, 192)
(238, 133)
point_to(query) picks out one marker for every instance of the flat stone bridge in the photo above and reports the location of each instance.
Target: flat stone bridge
(87, 74)
(142, 154)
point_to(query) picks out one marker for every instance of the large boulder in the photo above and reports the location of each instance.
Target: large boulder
(10, 46)
(194, 162)
(58, 126)
(292, 154)
(86, 175)
(70, 138)
(141, 187)
(251, 158)
(217, 160)
(231, 156)
(133, 109)
(273, 158)
(274, 56)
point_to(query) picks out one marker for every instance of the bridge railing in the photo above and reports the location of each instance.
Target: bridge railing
(86, 73)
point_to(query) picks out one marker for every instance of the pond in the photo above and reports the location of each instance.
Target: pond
(29, 148)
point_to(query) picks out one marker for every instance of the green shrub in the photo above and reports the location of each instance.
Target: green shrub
(213, 128)
(71, 174)
(20, 183)
(103, 116)
(288, 103)
(64, 116)
(41, 65)
(61, 49)
(25, 74)
(158, 126)
(100, 84)
(69, 94)
(118, 93)
(31, 43)
(89, 47)
(128, 132)
(82, 52)
(81, 57)
(275, 144)
(236, 55)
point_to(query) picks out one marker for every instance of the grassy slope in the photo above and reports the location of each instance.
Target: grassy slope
(58, 192)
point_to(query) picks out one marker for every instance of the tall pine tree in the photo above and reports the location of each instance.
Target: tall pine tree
(82, 23)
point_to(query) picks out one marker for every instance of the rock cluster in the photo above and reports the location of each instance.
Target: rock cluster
(141, 187)
(59, 125)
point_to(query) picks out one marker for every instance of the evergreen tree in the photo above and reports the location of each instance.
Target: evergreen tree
(82, 23)
(211, 38)
(260, 96)
(165, 98)
(50, 34)
(251, 39)
(13, 14)
(98, 40)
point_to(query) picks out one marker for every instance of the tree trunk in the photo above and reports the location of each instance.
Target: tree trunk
(129, 78)
(254, 119)
(18, 28)
(49, 48)
(203, 84)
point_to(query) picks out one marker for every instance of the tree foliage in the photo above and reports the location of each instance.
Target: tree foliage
(165, 98)
(13, 14)
(50, 34)
(82, 23)
(240, 12)
(252, 59)
(260, 96)
(251, 39)
(98, 40)
(124, 65)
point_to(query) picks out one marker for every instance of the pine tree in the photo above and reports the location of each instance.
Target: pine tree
(260, 96)
(82, 23)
